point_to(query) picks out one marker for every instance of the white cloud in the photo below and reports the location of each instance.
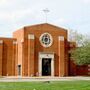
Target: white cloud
(61, 21)
(15, 15)
(14, 10)
(86, 1)
(62, 12)
(4, 2)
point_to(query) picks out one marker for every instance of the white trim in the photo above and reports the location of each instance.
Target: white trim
(52, 67)
(59, 54)
(31, 36)
(40, 66)
(1, 41)
(46, 55)
(22, 40)
(61, 38)
(14, 42)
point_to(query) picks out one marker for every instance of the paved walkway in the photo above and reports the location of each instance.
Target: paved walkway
(29, 79)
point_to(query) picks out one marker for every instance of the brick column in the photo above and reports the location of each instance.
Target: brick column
(14, 59)
(61, 55)
(1, 56)
(31, 47)
(22, 62)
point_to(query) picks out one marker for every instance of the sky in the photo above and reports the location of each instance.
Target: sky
(69, 14)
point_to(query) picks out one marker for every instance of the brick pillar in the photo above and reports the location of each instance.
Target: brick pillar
(14, 59)
(61, 55)
(1, 56)
(31, 47)
(22, 63)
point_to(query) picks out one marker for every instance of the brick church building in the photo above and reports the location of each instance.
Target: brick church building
(37, 50)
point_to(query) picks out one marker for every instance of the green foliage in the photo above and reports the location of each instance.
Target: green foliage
(81, 55)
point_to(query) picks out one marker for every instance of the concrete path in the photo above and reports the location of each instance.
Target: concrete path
(30, 79)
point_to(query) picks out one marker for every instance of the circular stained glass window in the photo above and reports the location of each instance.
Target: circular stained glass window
(46, 40)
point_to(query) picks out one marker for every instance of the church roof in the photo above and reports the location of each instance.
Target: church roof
(45, 24)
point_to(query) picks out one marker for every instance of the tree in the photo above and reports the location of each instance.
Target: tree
(81, 54)
(80, 39)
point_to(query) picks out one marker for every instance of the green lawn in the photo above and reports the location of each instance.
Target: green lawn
(59, 85)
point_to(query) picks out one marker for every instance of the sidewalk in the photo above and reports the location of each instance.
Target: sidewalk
(30, 79)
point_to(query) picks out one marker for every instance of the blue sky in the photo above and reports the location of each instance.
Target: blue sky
(70, 14)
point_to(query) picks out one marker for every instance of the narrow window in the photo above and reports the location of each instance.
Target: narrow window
(19, 70)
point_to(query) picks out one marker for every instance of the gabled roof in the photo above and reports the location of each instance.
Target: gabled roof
(40, 25)
(45, 24)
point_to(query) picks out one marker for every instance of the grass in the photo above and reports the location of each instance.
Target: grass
(59, 85)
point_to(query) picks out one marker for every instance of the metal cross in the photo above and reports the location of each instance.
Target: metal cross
(46, 11)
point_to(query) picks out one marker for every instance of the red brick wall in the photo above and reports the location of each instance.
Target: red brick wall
(72, 68)
(61, 54)
(78, 70)
(19, 35)
(26, 52)
(82, 70)
(37, 30)
(1, 53)
(8, 60)
(31, 53)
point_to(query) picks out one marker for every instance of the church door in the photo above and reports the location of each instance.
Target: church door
(46, 66)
